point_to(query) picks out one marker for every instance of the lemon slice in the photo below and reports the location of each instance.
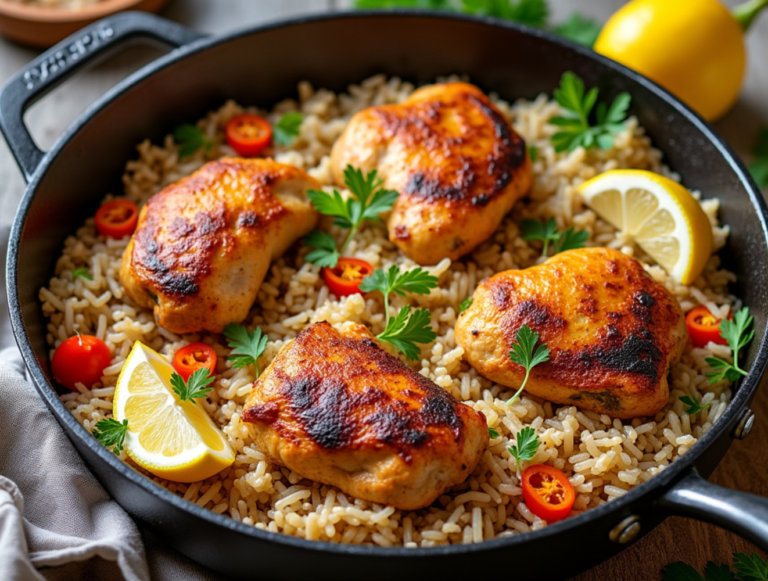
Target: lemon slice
(662, 216)
(173, 439)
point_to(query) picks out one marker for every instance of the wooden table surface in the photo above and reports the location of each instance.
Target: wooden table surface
(746, 465)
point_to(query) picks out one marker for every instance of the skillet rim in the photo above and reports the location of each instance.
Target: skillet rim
(653, 488)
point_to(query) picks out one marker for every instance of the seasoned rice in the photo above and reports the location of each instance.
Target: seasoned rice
(603, 457)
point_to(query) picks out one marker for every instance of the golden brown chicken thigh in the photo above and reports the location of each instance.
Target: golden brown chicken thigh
(455, 160)
(203, 245)
(612, 331)
(338, 409)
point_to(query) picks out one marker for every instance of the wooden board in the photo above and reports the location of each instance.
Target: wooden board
(744, 467)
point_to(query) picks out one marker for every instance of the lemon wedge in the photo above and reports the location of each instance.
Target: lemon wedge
(174, 439)
(660, 215)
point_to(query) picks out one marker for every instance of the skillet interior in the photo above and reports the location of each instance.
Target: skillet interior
(263, 66)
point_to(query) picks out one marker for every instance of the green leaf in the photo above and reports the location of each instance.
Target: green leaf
(332, 204)
(287, 128)
(738, 334)
(81, 272)
(530, 12)
(198, 385)
(190, 138)
(547, 232)
(111, 434)
(465, 304)
(693, 405)
(533, 153)
(493, 433)
(406, 330)
(381, 201)
(679, 571)
(759, 167)
(715, 572)
(750, 567)
(526, 354)
(393, 280)
(246, 346)
(526, 445)
(579, 29)
(324, 252)
(570, 240)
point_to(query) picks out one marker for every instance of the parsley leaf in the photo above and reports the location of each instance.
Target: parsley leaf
(530, 12)
(547, 232)
(693, 405)
(759, 167)
(750, 567)
(324, 252)
(526, 354)
(526, 445)
(111, 434)
(81, 272)
(715, 572)
(287, 128)
(246, 346)
(417, 281)
(679, 571)
(367, 201)
(405, 330)
(493, 433)
(576, 128)
(197, 386)
(579, 29)
(190, 138)
(533, 153)
(737, 333)
(465, 304)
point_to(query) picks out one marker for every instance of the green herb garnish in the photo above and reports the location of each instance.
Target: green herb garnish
(493, 433)
(82, 273)
(738, 335)
(198, 385)
(526, 354)
(547, 232)
(368, 200)
(693, 405)
(287, 128)
(530, 12)
(759, 167)
(533, 153)
(190, 138)
(579, 29)
(465, 304)
(405, 330)
(246, 346)
(576, 127)
(111, 434)
(526, 445)
(748, 568)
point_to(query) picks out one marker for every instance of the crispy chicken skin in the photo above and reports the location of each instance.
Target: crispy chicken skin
(204, 244)
(457, 163)
(612, 331)
(338, 409)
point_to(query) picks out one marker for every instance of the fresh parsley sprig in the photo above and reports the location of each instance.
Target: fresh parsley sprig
(531, 12)
(748, 568)
(287, 128)
(493, 433)
(81, 273)
(406, 329)
(738, 334)
(526, 445)
(190, 138)
(197, 386)
(526, 354)
(465, 304)
(693, 405)
(759, 167)
(111, 434)
(579, 29)
(367, 201)
(547, 233)
(246, 346)
(576, 128)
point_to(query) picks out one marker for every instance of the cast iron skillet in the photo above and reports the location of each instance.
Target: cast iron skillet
(263, 65)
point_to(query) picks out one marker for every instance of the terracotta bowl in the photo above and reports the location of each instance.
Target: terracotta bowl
(44, 27)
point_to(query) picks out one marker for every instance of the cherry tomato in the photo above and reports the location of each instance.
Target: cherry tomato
(117, 219)
(194, 356)
(344, 279)
(248, 134)
(704, 327)
(547, 492)
(80, 359)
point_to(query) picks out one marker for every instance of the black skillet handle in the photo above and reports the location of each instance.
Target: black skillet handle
(55, 65)
(743, 513)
